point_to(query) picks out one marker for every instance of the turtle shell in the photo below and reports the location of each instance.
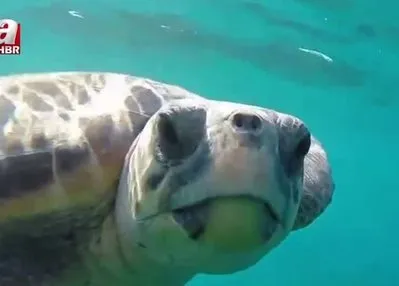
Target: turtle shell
(65, 136)
(62, 147)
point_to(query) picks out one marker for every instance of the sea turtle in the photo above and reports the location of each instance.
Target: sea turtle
(110, 179)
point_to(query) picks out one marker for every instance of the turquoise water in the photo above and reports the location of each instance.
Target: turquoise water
(261, 53)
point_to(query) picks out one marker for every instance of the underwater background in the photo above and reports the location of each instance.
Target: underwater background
(333, 63)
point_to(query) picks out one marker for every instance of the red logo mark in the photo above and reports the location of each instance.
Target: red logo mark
(10, 37)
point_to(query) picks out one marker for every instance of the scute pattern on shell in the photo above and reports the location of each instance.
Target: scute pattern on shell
(64, 135)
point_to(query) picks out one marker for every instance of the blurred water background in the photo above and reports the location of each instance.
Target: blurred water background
(333, 63)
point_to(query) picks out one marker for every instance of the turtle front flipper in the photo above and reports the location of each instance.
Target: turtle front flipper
(318, 186)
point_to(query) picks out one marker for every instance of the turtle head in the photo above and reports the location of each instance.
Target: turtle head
(212, 186)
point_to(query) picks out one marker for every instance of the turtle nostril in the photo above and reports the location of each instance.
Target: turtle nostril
(238, 120)
(247, 123)
(256, 124)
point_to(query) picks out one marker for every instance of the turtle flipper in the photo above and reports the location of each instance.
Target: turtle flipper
(318, 186)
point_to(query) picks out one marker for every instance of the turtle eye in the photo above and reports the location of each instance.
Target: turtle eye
(299, 153)
(292, 156)
(303, 146)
